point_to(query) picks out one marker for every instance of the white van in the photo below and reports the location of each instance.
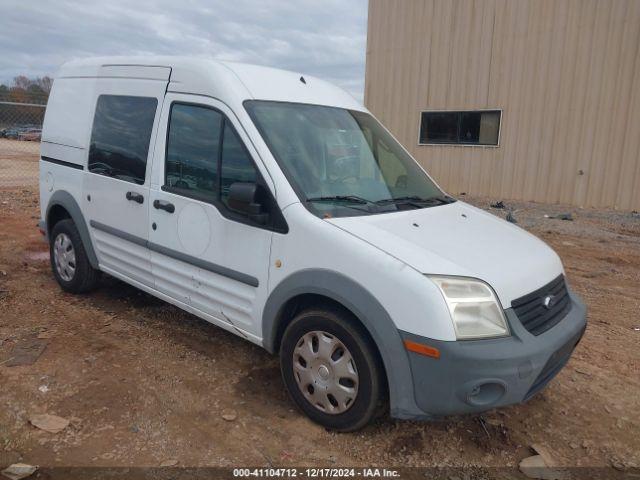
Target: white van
(275, 206)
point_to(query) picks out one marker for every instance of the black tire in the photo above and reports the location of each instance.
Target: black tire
(85, 277)
(371, 391)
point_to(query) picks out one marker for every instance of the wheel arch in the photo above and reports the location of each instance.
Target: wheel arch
(63, 205)
(317, 285)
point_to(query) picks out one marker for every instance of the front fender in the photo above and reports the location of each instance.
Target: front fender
(367, 309)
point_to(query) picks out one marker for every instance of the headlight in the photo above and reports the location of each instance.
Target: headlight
(475, 310)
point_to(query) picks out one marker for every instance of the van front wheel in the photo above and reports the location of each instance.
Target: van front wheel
(69, 260)
(331, 369)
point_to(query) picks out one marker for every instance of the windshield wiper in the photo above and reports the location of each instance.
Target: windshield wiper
(345, 200)
(445, 199)
(416, 200)
(341, 198)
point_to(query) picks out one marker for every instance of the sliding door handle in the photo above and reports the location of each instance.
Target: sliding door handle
(135, 197)
(166, 206)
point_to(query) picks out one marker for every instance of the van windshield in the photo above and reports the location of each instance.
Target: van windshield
(342, 162)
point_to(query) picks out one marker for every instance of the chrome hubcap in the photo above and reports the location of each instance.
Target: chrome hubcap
(64, 257)
(325, 372)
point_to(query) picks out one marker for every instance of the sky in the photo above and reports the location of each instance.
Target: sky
(324, 38)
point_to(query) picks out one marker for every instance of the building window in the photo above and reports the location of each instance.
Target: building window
(120, 137)
(460, 128)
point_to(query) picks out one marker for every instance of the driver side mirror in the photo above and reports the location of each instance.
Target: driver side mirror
(248, 199)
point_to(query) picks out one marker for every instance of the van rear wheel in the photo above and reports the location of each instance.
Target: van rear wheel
(331, 369)
(69, 260)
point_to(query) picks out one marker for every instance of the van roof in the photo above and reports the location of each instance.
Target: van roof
(228, 81)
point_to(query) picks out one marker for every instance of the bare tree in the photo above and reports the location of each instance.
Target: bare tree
(25, 89)
(21, 82)
(44, 83)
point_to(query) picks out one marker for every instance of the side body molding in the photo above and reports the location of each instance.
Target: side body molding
(367, 309)
(66, 200)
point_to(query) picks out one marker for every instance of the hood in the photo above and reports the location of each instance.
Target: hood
(458, 239)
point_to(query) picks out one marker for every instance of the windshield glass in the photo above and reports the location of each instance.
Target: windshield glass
(342, 162)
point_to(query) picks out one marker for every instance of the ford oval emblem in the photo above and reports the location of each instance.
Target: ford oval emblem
(549, 301)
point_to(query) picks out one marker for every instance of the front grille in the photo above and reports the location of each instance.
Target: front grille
(537, 317)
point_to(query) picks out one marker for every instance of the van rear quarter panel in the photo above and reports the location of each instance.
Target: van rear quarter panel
(58, 178)
(69, 113)
(65, 137)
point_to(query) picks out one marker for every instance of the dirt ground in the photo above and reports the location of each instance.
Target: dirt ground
(144, 383)
(18, 163)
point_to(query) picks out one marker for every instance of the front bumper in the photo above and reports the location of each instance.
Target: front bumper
(477, 375)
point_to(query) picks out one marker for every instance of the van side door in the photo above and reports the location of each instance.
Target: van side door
(204, 254)
(116, 182)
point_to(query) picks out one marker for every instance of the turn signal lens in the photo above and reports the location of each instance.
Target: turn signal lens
(422, 349)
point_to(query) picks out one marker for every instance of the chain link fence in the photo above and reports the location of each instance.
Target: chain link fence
(20, 133)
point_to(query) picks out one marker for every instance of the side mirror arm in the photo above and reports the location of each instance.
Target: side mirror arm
(245, 198)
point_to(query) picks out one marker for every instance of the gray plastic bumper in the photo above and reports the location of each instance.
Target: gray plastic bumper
(477, 375)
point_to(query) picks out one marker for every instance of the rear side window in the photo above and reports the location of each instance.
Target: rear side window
(193, 149)
(120, 137)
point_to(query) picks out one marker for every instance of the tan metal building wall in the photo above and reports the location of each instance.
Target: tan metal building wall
(566, 74)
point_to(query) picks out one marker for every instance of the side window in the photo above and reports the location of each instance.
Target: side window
(236, 163)
(120, 137)
(205, 156)
(193, 148)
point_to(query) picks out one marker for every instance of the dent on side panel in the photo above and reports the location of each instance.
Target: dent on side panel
(367, 309)
(224, 297)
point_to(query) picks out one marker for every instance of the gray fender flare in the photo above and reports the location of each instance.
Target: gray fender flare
(66, 200)
(367, 309)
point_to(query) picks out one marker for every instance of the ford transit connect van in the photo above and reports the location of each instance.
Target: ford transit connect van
(274, 205)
